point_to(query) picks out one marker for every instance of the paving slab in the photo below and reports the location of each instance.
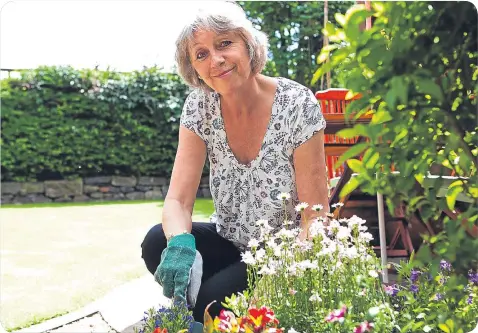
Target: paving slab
(124, 307)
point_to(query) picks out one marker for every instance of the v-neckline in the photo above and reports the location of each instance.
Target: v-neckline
(253, 162)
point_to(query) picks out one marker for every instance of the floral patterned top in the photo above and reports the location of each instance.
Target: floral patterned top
(244, 194)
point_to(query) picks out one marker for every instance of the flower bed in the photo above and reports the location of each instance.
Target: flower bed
(330, 282)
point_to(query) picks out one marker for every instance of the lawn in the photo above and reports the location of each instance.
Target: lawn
(58, 258)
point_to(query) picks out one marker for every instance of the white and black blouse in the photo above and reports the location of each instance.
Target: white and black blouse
(243, 194)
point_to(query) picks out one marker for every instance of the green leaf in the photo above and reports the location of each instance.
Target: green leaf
(355, 165)
(451, 195)
(351, 185)
(429, 87)
(329, 29)
(380, 117)
(340, 18)
(372, 161)
(323, 56)
(352, 152)
(400, 87)
(354, 17)
(391, 99)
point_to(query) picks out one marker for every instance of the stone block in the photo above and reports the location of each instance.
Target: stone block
(65, 198)
(100, 180)
(33, 188)
(143, 188)
(153, 195)
(81, 198)
(11, 188)
(152, 181)
(62, 188)
(135, 196)
(96, 195)
(90, 189)
(6, 199)
(124, 181)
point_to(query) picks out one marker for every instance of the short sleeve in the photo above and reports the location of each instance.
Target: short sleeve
(192, 115)
(307, 118)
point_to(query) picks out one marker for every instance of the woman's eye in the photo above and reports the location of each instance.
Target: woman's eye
(226, 43)
(200, 55)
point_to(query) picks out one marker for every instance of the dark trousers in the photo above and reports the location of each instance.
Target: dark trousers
(223, 271)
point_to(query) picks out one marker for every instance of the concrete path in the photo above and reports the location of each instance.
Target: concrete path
(121, 308)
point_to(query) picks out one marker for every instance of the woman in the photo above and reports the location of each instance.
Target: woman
(263, 136)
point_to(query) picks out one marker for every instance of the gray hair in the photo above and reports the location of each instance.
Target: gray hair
(220, 17)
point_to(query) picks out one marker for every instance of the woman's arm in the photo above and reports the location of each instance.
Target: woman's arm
(311, 178)
(185, 178)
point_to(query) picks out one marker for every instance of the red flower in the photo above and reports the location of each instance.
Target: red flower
(159, 330)
(263, 316)
(363, 327)
(336, 315)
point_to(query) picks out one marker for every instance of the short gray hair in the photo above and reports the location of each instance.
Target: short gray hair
(220, 17)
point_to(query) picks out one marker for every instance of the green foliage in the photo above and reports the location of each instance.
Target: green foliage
(175, 318)
(58, 123)
(416, 69)
(294, 34)
(427, 299)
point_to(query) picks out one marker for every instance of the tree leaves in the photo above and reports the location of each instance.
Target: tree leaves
(416, 70)
(295, 38)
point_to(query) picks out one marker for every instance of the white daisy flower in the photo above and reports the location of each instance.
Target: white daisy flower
(301, 207)
(373, 273)
(338, 204)
(317, 207)
(260, 254)
(253, 243)
(292, 330)
(283, 196)
(315, 298)
(261, 222)
(248, 258)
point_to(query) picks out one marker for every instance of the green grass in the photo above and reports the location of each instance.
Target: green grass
(57, 258)
(74, 204)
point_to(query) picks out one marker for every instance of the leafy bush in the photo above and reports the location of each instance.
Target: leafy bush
(60, 123)
(416, 70)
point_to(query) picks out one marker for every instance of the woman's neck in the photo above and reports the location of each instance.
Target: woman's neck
(241, 102)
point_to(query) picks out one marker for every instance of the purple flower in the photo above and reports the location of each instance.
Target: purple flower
(414, 288)
(445, 265)
(438, 297)
(414, 274)
(473, 277)
(469, 300)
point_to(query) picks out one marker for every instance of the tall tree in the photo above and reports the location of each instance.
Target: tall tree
(294, 31)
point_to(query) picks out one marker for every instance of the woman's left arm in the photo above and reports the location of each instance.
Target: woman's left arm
(311, 177)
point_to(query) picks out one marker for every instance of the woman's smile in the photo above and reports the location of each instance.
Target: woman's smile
(225, 73)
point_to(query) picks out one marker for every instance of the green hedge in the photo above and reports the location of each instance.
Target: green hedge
(62, 123)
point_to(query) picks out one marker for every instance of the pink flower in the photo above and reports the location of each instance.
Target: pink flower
(364, 327)
(292, 291)
(336, 315)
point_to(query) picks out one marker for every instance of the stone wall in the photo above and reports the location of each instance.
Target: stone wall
(104, 188)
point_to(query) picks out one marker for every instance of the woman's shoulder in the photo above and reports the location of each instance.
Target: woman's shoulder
(199, 101)
(290, 85)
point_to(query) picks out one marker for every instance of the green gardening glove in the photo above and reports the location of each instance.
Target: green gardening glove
(175, 266)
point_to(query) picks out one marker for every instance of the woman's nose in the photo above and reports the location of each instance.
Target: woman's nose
(217, 59)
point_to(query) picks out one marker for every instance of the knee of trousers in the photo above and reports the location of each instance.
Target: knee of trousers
(152, 246)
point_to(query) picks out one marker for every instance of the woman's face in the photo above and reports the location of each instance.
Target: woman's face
(221, 60)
